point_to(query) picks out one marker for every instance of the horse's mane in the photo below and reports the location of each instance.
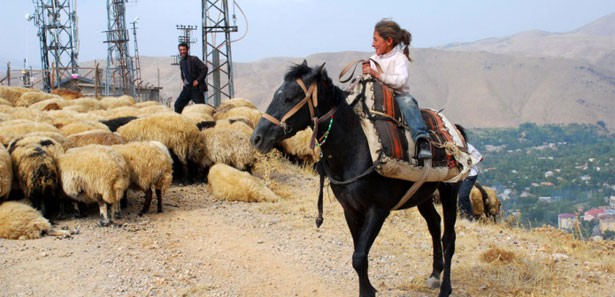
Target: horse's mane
(320, 75)
(463, 132)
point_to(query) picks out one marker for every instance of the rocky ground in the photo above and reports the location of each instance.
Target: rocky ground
(200, 246)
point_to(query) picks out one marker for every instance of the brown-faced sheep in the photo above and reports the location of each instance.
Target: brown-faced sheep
(484, 202)
(20, 221)
(95, 174)
(228, 183)
(226, 143)
(67, 93)
(250, 114)
(104, 137)
(36, 171)
(177, 133)
(151, 168)
(6, 173)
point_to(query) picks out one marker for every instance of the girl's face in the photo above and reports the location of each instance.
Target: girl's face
(381, 45)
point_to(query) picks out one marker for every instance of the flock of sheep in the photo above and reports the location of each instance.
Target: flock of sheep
(62, 147)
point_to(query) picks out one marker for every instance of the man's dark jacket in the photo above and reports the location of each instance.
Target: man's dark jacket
(197, 69)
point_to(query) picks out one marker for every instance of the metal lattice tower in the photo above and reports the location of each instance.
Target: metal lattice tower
(217, 49)
(137, 63)
(57, 33)
(184, 37)
(119, 77)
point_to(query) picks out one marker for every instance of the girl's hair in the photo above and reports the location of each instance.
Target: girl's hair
(388, 28)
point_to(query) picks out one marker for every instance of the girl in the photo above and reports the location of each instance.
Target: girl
(395, 66)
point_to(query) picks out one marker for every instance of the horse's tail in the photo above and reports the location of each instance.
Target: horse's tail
(321, 173)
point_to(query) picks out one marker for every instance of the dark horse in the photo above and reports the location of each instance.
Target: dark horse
(366, 196)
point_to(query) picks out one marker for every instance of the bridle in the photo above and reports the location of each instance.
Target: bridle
(311, 99)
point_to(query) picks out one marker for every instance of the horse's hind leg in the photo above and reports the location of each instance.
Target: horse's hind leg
(364, 229)
(431, 216)
(448, 197)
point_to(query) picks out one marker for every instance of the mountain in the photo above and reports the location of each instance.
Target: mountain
(534, 76)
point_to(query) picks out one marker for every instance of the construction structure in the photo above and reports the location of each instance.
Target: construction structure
(57, 32)
(217, 50)
(119, 75)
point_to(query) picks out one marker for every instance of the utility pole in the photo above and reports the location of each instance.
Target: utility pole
(184, 37)
(119, 73)
(57, 34)
(217, 49)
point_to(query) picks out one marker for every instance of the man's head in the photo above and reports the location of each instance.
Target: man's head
(183, 49)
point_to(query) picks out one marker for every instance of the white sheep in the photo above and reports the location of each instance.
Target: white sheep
(20, 221)
(95, 174)
(6, 173)
(177, 133)
(228, 183)
(151, 168)
(229, 144)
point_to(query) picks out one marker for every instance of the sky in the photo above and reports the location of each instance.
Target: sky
(298, 28)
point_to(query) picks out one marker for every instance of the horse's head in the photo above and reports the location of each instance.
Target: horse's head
(305, 95)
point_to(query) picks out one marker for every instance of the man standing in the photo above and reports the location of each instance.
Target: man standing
(193, 73)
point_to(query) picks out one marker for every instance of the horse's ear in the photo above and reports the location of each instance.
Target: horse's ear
(304, 62)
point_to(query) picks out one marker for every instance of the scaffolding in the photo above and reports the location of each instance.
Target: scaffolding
(217, 49)
(57, 32)
(119, 75)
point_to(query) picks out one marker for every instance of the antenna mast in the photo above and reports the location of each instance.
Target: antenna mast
(217, 49)
(119, 72)
(57, 33)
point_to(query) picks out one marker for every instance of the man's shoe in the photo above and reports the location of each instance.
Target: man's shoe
(424, 150)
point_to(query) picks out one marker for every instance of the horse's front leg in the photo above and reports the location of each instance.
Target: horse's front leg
(431, 216)
(364, 228)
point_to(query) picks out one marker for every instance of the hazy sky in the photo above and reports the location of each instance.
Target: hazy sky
(297, 28)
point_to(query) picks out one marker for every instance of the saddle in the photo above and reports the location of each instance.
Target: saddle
(390, 142)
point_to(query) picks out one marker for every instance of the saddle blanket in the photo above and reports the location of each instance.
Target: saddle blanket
(391, 145)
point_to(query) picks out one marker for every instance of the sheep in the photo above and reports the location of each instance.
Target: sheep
(20, 221)
(234, 102)
(29, 98)
(151, 167)
(29, 114)
(5, 102)
(115, 123)
(250, 114)
(104, 137)
(13, 93)
(124, 111)
(228, 183)
(56, 103)
(95, 173)
(154, 109)
(15, 129)
(84, 105)
(82, 126)
(200, 109)
(67, 93)
(6, 173)
(226, 143)
(146, 104)
(114, 102)
(57, 136)
(36, 172)
(297, 148)
(177, 133)
(484, 202)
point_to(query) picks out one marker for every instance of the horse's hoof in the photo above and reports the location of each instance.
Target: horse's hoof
(103, 224)
(433, 282)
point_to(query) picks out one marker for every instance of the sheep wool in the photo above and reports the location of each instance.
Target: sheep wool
(104, 137)
(6, 173)
(251, 115)
(18, 129)
(234, 102)
(226, 144)
(228, 183)
(114, 102)
(5, 102)
(298, 147)
(82, 126)
(67, 93)
(20, 221)
(29, 98)
(95, 174)
(151, 167)
(13, 93)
